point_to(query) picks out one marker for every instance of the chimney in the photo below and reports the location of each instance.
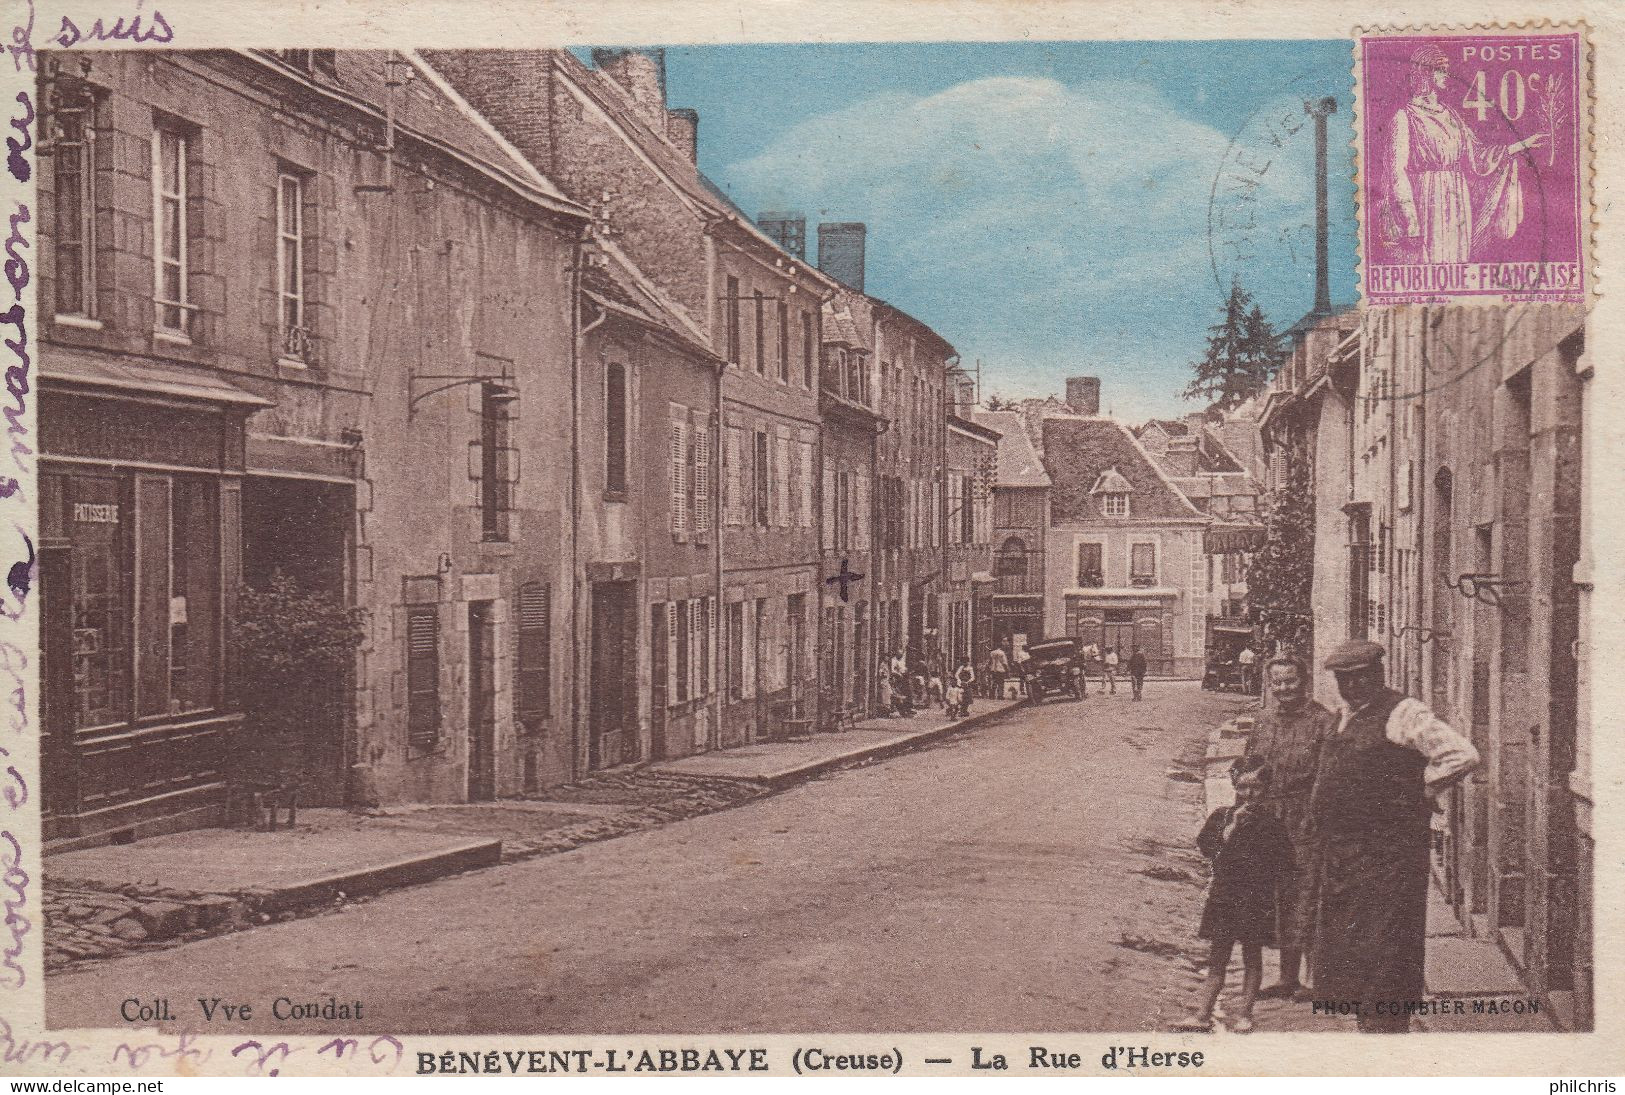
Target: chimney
(642, 75)
(683, 130)
(1180, 459)
(787, 229)
(1320, 109)
(840, 252)
(1083, 394)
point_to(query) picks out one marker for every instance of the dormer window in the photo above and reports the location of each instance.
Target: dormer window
(1111, 491)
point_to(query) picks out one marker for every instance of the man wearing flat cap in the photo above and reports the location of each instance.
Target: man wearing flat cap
(1377, 780)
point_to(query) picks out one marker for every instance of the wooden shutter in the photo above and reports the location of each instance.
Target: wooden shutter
(781, 480)
(702, 479)
(863, 513)
(533, 675)
(422, 676)
(679, 475)
(615, 428)
(711, 644)
(828, 531)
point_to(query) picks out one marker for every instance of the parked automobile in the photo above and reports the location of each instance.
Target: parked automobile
(1053, 668)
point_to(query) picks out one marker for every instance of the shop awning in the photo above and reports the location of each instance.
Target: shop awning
(1232, 539)
(1234, 629)
(93, 372)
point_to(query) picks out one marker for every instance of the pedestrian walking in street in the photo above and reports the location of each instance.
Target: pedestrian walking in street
(1385, 768)
(1111, 669)
(1287, 737)
(1249, 850)
(965, 678)
(1136, 673)
(903, 701)
(1089, 655)
(998, 667)
(1248, 660)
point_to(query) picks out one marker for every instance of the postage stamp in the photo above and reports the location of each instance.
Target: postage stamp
(1473, 165)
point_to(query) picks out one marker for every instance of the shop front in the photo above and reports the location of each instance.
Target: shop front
(1126, 624)
(140, 525)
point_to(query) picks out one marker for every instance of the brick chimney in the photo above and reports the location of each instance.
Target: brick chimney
(787, 229)
(1083, 394)
(683, 130)
(840, 252)
(641, 73)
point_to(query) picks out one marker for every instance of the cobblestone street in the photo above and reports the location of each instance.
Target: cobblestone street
(1002, 879)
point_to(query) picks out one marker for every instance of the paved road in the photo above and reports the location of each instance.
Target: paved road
(1032, 874)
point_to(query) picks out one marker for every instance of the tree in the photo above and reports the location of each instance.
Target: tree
(1243, 352)
(997, 402)
(1280, 578)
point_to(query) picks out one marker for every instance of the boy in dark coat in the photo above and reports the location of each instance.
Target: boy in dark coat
(1249, 849)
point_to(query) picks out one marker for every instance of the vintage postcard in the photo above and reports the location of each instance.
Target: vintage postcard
(973, 539)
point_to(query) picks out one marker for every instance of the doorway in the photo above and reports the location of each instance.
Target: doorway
(482, 707)
(613, 692)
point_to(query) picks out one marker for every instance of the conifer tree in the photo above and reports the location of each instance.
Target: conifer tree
(1243, 352)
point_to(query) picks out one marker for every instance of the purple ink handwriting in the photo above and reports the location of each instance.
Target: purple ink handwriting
(13, 898)
(69, 35)
(20, 1051)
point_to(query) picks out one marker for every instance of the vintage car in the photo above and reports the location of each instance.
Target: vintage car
(1053, 667)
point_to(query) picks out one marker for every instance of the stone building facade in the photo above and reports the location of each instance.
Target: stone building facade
(260, 355)
(1021, 489)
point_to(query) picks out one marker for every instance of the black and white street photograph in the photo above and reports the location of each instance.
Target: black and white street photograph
(920, 537)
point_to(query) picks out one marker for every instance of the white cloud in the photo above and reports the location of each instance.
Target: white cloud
(1038, 224)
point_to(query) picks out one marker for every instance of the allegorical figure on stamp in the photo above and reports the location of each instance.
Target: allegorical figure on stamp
(1436, 162)
(1379, 776)
(1287, 736)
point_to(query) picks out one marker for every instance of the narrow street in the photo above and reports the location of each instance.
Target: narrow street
(1037, 873)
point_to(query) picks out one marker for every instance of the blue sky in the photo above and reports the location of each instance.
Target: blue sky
(1049, 207)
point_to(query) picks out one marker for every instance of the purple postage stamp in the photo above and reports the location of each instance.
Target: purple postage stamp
(1472, 165)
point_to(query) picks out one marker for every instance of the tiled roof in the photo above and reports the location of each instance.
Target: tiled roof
(1079, 450)
(1019, 465)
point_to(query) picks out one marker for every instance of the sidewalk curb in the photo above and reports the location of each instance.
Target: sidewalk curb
(801, 773)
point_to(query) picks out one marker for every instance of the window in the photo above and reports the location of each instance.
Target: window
(808, 341)
(736, 650)
(495, 462)
(967, 509)
(681, 624)
(843, 511)
(699, 477)
(784, 342)
(1142, 565)
(733, 320)
(76, 204)
(170, 245)
(734, 499)
(533, 660)
(761, 481)
(290, 258)
(1115, 504)
(1012, 560)
(761, 332)
(678, 469)
(615, 429)
(142, 571)
(422, 676)
(1091, 566)
(854, 365)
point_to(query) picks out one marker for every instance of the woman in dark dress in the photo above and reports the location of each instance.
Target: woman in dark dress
(1249, 850)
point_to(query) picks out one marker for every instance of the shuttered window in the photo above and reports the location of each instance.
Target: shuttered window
(761, 332)
(735, 495)
(760, 484)
(681, 627)
(733, 321)
(784, 342)
(808, 341)
(679, 475)
(532, 675)
(781, 481)
(423, 676)
(701, 519)
(827, 533)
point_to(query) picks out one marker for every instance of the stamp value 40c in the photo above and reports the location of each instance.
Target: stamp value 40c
(1472, 166)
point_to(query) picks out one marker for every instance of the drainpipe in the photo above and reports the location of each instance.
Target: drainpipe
(719, 696)
(577, 341)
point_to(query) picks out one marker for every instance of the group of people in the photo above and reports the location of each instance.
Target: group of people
(904, 687)
(1107, 663)
(1324, 856)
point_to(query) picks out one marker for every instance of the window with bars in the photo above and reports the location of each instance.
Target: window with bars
(533, 658)
(75, 203)
(422, 676)
(293, 327)
(171, 246)
(615, 436)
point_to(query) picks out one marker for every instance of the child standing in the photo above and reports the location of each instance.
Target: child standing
(1249, 850)
(956, 698)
